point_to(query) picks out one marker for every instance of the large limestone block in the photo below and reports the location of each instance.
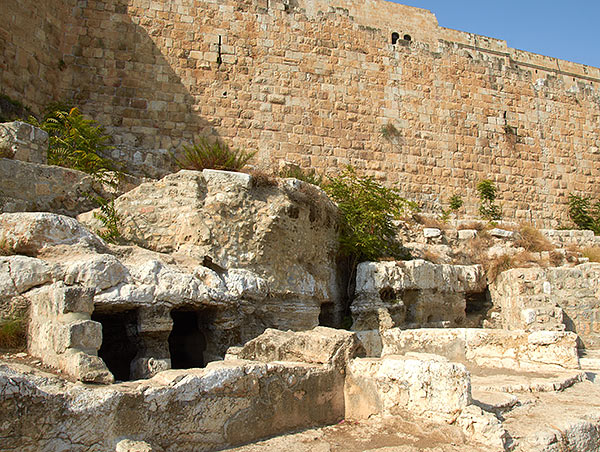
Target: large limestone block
(413, 294)
(393, 384)
(319, 346)
(285, 233)
(419, 274)
(31, 232)
(489, 347)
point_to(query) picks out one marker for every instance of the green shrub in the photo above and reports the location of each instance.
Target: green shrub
(367, 209)
(76, 142)
(584, 214)
(455, 202)
(205, 154)
(110, 220)
(488, 209)
(13, 333)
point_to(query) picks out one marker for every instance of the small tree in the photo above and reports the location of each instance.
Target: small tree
(488, 209)
(368, 209)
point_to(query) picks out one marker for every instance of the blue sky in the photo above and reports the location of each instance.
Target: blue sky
(569, 30)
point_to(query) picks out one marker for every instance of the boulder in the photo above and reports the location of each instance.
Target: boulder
(319, 346)
(31, 232)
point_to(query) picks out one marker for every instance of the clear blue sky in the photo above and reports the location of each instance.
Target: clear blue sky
(569, 30)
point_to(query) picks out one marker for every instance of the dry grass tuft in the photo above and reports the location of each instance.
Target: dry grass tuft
(13, 334)
(494, 266)
(429, 222)
(5, 248)
(262, 178)
(477, 225)
(532, 239)
(432, 256)
(592, 253)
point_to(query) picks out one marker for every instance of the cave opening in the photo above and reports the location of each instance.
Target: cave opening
(120, 341)
(187, 342)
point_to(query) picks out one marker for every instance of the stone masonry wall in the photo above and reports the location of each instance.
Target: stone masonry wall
(315, 83)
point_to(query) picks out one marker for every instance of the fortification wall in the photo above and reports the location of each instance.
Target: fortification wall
(315, 82)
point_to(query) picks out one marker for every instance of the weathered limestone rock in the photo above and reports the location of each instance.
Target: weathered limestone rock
(19, 274)
(413, 293)
(29, 233)
(483, 427)
(62, 334)
(422, 385)
(318, 346)
(488, 347)
(560, 298)
(128, 445)
(32, 187)
(285, 235)
(24, 142)
(225, 404)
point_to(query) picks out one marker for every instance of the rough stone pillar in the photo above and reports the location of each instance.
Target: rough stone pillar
(154, 327)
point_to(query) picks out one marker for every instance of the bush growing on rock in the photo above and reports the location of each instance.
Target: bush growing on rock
(13, 333)
(488, 209)
(77, 143)
(206, 154)
(367, 209)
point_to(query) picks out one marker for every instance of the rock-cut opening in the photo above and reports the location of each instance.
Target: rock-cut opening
(187, 342)
(120, 342)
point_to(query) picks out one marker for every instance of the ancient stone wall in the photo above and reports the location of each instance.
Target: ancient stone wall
(321, 84)
(33, 36)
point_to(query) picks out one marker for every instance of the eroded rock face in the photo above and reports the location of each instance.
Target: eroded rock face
(226, 403)
(414, 294)
(285, 234)
(488, 347)
(318, 346)
(424, 385)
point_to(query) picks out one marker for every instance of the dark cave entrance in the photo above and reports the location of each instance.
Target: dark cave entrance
(328, 316)
(477, 305)
(120, 342)
(187, 342)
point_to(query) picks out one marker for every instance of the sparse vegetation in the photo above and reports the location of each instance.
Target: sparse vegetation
(76, 142)
(6, 153)
(390, 132)
(532, 239)
(6, 248)
(13, 333)
(429, 221)
(110, 220)
(455, 202)
(488, 209)
(584, 213)
(262, 179)
(367, 209)
(206, 154)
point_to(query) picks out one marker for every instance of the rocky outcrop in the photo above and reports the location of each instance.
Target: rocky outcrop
(227, 403)
(415, 294)
(283, 233)
(178, 309)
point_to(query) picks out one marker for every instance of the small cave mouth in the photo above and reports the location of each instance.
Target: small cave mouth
(407, 38)
(120, 342)
(477, 305)
(327, 316)
(395, 37)
(387, 294)
(187, 342)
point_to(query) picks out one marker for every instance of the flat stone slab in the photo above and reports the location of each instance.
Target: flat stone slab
(526, 382)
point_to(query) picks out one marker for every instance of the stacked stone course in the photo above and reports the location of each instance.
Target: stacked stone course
(315, 82)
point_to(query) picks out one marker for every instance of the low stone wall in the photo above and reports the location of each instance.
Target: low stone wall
(413, 294)
(572, 237)
(488, 347)
(225, 404)
(551, 299)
